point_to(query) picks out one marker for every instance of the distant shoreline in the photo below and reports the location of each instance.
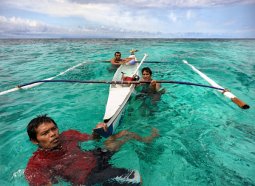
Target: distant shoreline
(90, 38)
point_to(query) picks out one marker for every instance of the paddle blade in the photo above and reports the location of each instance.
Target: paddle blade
(240, 103)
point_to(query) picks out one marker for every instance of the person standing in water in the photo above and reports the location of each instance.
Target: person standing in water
(147, 76)
(149, 93)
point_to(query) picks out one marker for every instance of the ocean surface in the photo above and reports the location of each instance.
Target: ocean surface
(205, 139)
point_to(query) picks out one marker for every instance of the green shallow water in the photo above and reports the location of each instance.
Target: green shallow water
(204, 138)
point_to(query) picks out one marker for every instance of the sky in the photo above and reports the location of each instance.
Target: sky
(127, 19)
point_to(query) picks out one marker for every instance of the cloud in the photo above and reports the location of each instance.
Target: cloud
(15, 24)
(15, 27)
(19, 22)
(166, 3)
(111, 15)
(19, 27)
(125, 18)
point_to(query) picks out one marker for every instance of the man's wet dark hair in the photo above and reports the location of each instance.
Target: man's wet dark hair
(36, 122)
(117, 53)
(147, 69)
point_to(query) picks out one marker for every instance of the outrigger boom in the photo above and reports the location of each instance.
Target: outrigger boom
(224, 91)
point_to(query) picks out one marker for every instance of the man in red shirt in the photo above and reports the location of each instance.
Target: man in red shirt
(59, 156)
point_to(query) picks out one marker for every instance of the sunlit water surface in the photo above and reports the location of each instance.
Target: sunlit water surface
(205, 139)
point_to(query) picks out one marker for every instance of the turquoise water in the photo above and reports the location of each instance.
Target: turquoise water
(205, 139)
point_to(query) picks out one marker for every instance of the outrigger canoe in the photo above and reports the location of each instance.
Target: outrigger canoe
(119, 94)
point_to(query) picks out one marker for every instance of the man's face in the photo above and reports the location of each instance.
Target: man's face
(47, 135)
(146, 76)
(117, 56)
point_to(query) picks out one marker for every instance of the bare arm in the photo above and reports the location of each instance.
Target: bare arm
(114, 142)
(115, 62)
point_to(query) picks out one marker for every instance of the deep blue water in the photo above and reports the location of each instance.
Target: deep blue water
(205, 139)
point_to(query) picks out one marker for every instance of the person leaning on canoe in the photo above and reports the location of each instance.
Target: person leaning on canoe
(117, 60)
(59, 156)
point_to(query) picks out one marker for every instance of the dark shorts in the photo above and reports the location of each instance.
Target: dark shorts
(105, 174)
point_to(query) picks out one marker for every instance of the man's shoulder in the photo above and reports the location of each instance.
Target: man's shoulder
(70, 132)
(36, 159)
(113, 60)
(74, 135)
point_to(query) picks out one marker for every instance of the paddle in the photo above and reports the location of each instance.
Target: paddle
(224, 91)
(116, 82)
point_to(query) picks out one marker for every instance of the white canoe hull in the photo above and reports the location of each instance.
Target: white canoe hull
(119, 94)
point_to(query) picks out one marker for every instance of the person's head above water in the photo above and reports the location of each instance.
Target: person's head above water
(43, 131)
(146, 73)
(117, 55)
